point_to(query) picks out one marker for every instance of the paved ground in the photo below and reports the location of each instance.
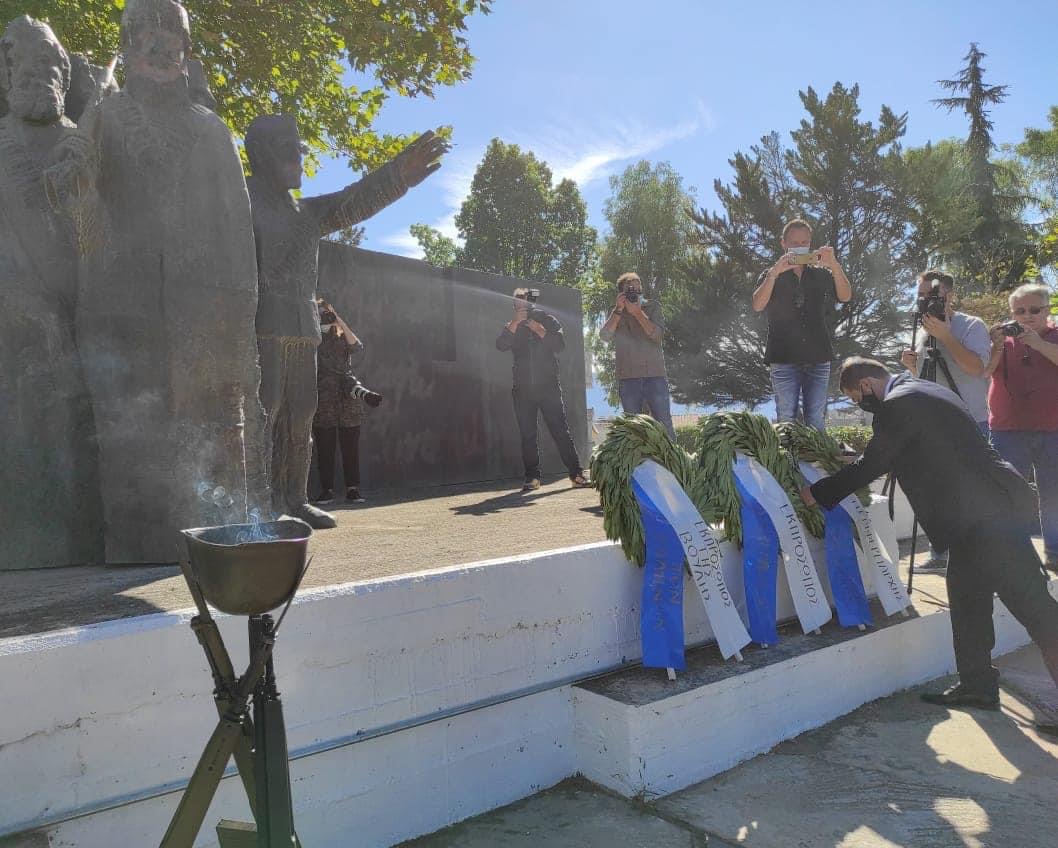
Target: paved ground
(896, 772)
(437, 527)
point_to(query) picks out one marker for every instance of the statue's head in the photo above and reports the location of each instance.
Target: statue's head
(34, 71)
(274, 149)
(155, 40)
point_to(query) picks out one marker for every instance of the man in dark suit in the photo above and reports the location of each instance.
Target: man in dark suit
(969, 501)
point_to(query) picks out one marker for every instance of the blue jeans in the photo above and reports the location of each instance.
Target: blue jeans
(804, 386)
(638, 394)
(1035, 456)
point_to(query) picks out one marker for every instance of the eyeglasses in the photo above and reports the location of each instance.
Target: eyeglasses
(1031, 310)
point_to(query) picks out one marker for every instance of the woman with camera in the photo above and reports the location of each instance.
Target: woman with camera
(340, 405)
(1023, 401)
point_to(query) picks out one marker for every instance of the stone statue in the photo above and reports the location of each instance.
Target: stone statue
(88, 84)
(288, 231)
(48, 484)
(167, 298)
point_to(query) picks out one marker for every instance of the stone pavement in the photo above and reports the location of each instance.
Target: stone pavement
(409, 532)
(895, 772)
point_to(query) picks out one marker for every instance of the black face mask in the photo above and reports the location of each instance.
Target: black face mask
(870, 403)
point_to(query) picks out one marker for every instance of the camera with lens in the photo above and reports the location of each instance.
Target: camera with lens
(328, 317)
(1012, 329)
(932, 303)
(533, 314)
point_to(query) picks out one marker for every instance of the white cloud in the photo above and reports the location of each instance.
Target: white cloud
(582, 152)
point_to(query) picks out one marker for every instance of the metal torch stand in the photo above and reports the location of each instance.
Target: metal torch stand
(274, 810)
(258, 743)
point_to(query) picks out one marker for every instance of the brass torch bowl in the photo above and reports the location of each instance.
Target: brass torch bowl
(248, 569)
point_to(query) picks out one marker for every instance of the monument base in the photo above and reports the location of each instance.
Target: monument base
(643, 736)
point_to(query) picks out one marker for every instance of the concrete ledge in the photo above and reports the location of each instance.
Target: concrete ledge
(647, 745)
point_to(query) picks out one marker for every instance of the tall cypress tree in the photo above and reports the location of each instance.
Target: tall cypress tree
(999, 249)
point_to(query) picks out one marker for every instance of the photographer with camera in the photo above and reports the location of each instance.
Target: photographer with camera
(340, 400)
(957, 342)
(970, 502)
(535, 338)
(1023, 401)
(798, 292)
(636, 327)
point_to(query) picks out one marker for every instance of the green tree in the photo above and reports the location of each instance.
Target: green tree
(846, 177)
(515, 222)
(438, 249)
(999, 250)
(650, 228)
(276, 55)
(650, 233)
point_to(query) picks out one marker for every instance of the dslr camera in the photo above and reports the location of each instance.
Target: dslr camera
(932, 303)
(534, 314)
(1012, 329)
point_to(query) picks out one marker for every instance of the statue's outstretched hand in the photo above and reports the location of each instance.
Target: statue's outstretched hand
(421, 158)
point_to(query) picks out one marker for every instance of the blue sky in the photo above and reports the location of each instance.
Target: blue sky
(592, 86)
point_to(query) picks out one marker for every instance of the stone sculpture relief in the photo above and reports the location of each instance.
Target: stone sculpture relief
(167, 297)
(48, 482)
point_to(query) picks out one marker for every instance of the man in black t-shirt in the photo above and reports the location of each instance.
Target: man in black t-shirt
(797, 291)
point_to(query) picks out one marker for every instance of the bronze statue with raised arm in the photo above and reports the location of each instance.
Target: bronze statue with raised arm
(287, 231)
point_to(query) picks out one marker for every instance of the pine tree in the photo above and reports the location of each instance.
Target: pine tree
(846, 177)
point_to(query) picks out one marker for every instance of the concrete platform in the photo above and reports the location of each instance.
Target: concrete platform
(391, 535)
(896, 772)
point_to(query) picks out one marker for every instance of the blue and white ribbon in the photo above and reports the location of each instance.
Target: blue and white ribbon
(809, 602)
(873, 554)
(843, 567)
(669, 517)
(760, 568)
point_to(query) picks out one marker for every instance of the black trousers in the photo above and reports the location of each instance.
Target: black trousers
(1001, 559)
(547, 400)
(327, 439)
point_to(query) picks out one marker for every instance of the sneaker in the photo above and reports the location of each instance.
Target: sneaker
(957, 696)
(325, 497)
(933, 565)
(352, 495)
(580, 482)
(1050, 561)
(531, 485)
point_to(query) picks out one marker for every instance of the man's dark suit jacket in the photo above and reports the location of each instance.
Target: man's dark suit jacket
(952, 477)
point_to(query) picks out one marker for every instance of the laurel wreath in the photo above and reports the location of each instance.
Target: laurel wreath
(806, 444)
(630, 440)
(707, 476)
(720, 435)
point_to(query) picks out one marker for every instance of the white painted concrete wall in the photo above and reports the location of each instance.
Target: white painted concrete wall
(95, 716)
(653, 750)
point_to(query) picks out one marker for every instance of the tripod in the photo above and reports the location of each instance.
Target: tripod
(928, 371)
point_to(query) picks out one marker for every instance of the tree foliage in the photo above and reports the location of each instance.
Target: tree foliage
(274, 55)
(438, 249)
(994, 249)
(650, 229)
(515, 222)
(846, 177)
(650, 233)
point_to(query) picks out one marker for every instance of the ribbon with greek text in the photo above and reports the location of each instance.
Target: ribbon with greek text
(665, 505)
(809, 602)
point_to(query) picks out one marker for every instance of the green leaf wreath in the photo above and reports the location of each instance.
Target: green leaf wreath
(806, 444)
